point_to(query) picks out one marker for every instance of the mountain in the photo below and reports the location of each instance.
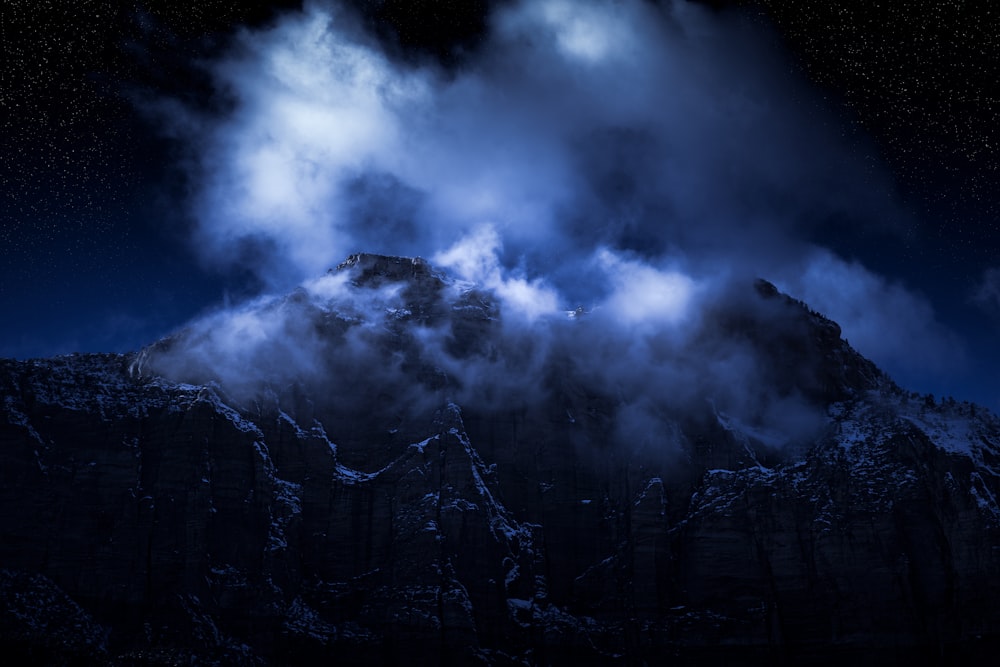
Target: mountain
(384, 466)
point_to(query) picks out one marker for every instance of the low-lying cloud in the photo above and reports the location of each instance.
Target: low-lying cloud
(880, 317)
(385, 341)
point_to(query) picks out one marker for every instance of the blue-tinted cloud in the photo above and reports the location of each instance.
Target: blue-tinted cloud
(881, 318)
(654, 128)
(632, 157)
(987, 294)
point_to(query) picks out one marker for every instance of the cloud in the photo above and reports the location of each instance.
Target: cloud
(475, 258)
(643, 161)
(987, 293)
(644, 127)
(643, 294)
(882, 319)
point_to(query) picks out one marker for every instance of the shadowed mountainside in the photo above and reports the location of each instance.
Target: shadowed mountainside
(152, 512)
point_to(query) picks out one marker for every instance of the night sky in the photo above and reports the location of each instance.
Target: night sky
(103, 219)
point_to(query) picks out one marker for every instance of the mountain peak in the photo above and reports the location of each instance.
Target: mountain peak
(372, 267)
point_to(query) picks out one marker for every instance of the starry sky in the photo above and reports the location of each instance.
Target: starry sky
(96, 244)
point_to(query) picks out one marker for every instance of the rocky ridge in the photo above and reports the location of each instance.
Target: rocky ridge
(149, 520)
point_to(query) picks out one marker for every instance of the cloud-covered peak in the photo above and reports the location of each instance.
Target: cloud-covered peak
(630, 158)
(382, 339)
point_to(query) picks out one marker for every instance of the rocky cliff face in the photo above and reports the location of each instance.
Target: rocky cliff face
(153, 512)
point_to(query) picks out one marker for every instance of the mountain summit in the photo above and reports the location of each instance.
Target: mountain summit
(392, 465)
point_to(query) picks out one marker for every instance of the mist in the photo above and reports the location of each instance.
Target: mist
(609, 175)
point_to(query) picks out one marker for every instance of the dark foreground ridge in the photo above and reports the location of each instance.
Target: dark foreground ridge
(155, 521)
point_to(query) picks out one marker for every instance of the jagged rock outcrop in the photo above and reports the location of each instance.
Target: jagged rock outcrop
(145, 519)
